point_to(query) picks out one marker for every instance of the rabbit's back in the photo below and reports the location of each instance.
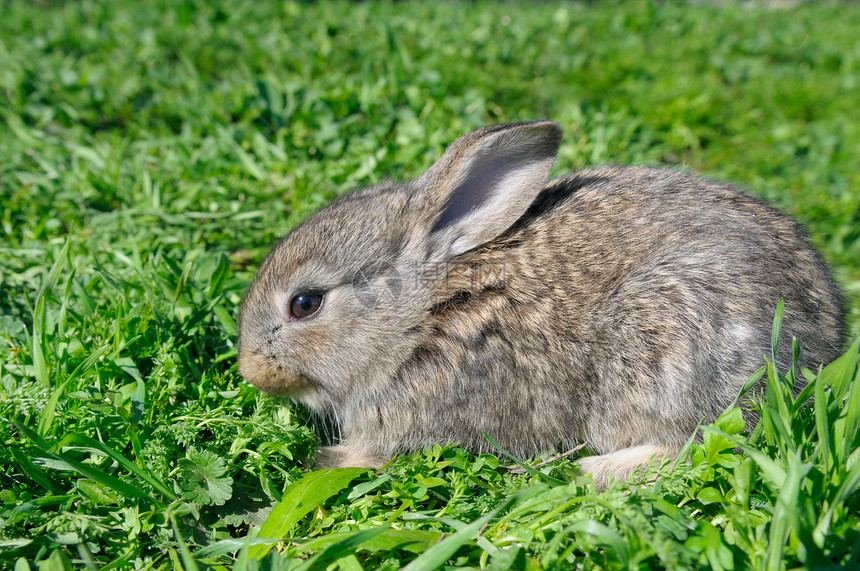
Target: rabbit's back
(628, 302)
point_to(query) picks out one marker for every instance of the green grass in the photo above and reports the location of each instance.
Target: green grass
(150, 154)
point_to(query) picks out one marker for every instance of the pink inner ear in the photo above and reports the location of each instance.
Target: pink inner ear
(485, 174)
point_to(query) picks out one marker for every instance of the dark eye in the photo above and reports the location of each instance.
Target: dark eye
(305, 304)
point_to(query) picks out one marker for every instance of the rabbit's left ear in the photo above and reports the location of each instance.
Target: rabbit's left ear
(485, 182)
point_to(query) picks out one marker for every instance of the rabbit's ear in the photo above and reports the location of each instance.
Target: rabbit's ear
(486, 180)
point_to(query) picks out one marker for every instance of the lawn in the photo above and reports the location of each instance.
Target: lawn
(152, 152)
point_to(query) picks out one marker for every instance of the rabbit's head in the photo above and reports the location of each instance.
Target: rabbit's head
(339, 303)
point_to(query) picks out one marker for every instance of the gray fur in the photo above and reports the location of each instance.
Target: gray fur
(616, 306)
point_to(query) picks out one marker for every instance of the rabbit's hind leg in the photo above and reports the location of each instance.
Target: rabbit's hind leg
(619, 465)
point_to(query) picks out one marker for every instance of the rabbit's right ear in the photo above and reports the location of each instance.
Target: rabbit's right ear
(485, 182)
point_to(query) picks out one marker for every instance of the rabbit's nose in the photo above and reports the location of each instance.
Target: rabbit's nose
(267, 374)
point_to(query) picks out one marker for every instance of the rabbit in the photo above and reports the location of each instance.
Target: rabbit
(618, 306)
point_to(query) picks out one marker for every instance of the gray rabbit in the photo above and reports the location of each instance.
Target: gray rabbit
(614, 306)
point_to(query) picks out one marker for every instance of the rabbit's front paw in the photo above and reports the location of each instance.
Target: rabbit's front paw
(347, 457)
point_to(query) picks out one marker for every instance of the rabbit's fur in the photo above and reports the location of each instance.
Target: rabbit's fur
(615, 306)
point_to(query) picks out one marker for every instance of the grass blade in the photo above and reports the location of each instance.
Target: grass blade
(187, 559)
(51, 279)
(139, 471)
(341, 548)
(40, 364)
(839, 373)
(33, 472)
(777, 327)
(437, 555)
(46, 419)
(748, 385)
(822, 425)
(413, 540)
(303, 496)
(111, 482)
(539, 476)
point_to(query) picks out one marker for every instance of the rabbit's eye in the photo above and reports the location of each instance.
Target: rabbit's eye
(305, 304)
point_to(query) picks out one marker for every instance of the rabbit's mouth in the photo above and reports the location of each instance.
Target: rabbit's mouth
(267, 374)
